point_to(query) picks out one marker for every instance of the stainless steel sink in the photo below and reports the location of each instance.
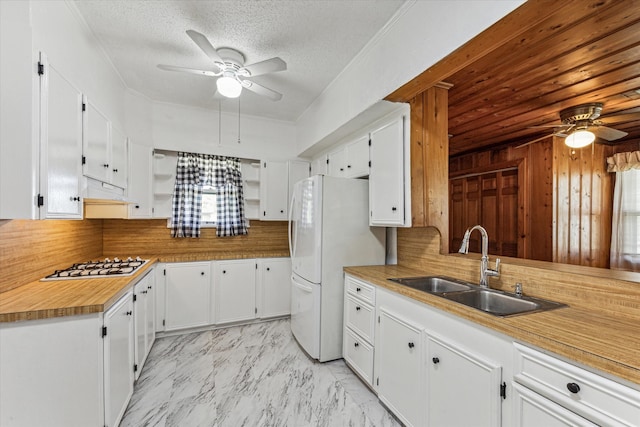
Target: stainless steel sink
(434, 284)
(501, 304)
(490, 301)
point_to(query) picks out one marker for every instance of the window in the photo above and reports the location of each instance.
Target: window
(630, 212)
(209, 206)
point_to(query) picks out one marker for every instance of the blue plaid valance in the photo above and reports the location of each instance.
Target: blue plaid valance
(194, 171)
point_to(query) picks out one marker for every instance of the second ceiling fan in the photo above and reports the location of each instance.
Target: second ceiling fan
(232, 74)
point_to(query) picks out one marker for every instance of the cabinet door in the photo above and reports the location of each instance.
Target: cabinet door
(274, 287)
(61, 145)
(118, 359)
(140, 325)
(456, 375)
(319, 166)
(151, 311)
(187, 295)
(399, 375)
(235, 290)
(139, 187)
(357, 157)
(386, 176)
(274, 185)
(118, 164)
(533, 410)
(97, 133)
(297, 172)
(337, 163)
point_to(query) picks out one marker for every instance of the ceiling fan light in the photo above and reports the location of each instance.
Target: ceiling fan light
(580, 138)
(229, 87)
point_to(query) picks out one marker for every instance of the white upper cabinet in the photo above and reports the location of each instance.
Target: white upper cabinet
(387, 176)
(96, 148)
(298, 170)
(337, 163)
(140, 185)
(357, 158)
(319, 165)
(276, 183)
(60, 145)
(118, 164)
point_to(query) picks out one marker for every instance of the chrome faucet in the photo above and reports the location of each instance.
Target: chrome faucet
(485, 271)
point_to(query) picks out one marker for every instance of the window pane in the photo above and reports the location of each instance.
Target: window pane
(209, 207)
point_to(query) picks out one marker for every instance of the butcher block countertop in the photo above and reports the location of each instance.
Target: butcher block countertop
(58, 298)
(598, 340)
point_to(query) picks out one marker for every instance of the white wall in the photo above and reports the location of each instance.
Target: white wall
(182, 128)
(419, 35)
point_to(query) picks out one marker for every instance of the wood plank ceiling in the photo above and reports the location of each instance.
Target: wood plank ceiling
(584, 51)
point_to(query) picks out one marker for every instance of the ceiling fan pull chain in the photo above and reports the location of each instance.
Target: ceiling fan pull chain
(238, 120)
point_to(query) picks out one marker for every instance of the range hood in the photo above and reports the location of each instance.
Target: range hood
(105, 201)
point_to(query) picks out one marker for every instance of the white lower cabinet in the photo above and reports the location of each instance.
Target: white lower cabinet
(188, 294)
(533, 410)
(235, 290)
(118, 359)
(274, 287)
(144, 317)
(399, 374)
(455, 375)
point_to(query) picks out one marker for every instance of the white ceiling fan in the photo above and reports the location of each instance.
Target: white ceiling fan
(232, 74)
(582, 123)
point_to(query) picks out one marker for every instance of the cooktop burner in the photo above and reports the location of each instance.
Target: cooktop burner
(97, 269)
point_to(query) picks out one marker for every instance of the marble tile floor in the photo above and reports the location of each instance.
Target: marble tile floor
(252, 375)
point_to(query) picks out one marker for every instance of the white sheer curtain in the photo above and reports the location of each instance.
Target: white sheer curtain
(625, 227)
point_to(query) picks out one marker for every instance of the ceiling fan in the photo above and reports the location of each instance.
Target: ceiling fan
(232, 74)
(581, 125)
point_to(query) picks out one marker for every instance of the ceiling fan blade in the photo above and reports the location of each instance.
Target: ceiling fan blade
(268, 66)
(203, 43)
(608, 134)
(261, 90)
(187, 70)
(620, 118)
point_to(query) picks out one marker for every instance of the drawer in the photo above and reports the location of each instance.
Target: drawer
(359, 316)
(599, 399)
(359, 355)
(361, 289)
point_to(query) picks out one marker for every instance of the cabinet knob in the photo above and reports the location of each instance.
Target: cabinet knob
(129, 313)
(341, 169)
(268, 269)
(106, 165)
(115, 170)
(355, 344)
(394, 208)
(357, 308)
(435, 360)
(573, 388)
(358, 289)
(411, 345)
(348, 166)
(149, 287)
(145, 292)
(202, 273)
(137, 206)
(223, 272)
(281, 210)
(74, 198)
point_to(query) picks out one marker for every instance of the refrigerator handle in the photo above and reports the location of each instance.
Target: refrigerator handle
(291, 251)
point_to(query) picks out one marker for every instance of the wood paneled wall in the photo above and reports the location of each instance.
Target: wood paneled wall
(535, 207)
(429, 160)
(30, 250)
(137, 237)
(583, 201)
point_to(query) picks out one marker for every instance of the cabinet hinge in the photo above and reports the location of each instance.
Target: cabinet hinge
(104, 331)
(256, 310)
(503, 390)
(153, 210)
(369, 163)
(135, 367)
(163, 322)
(40, 68)
(265, 164)
(84, 107)
(378, 319)
(40, 201)
(309, 169)
(369, 142)
(256, 265)
(164, 272)
(327, 161)
(378, 381)
(84, 160)
(134, 297)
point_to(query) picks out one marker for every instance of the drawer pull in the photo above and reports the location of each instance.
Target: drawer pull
(357, 308)
(435, 360)
(573, 388)
(355, 344)
(411, 345)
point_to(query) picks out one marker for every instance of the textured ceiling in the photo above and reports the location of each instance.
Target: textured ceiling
(317, 39)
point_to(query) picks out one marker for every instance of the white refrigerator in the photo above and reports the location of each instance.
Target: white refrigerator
(328, 229)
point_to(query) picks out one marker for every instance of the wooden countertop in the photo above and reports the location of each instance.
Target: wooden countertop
(43, 300)
(58, 298)
(600, 341)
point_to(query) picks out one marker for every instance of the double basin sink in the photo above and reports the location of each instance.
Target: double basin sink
(490, 301)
